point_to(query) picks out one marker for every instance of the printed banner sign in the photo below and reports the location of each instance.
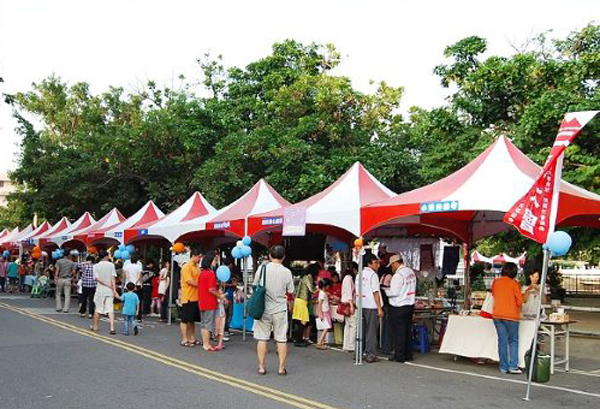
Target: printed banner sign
(294, 221)
(534, 215)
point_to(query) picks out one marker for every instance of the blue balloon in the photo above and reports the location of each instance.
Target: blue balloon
(236, 252)
(122, 247)
(55, 255)
(559, 243)
(223, 273)
(247, 240)
(117, 254)
(125, 254)
(130, 248)
(246, 251)
(6, 254)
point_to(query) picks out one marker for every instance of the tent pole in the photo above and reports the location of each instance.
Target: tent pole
(467, 277)
(537, 323)
(245, 267)
(170, 303)
(359, 322)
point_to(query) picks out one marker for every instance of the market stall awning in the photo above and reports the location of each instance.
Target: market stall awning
(41, 229)
(8, 239)
(261, 198)
(81, 224)
(170, 226)
(3, 234)
(42, 239)
(338, 206)
(470, 203)
(16, 239)
(110, 219)
(148, 213)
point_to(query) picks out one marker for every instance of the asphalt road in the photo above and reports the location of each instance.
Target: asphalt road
(52, 361)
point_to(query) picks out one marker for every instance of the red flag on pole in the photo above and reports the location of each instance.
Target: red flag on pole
(534, 215)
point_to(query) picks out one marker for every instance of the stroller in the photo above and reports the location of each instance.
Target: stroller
(41, 288)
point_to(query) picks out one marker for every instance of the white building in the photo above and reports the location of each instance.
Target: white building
(6, 187)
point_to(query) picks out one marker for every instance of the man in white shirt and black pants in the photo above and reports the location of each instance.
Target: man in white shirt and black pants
(401, 296)
(372, 305)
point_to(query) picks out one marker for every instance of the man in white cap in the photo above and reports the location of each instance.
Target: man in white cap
(401, 295)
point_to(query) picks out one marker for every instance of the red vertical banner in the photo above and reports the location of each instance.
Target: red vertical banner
(534, 215)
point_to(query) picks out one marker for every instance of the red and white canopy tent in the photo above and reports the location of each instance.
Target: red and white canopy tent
(16, 239)
(334, 211)
(42, 239)
(115, 234)
(8, 239)
(470, 204)
(477, 257)
(233, 220)
(110, 219)
(28, 239)
(169, 226)
(3, 234)
(60, 237)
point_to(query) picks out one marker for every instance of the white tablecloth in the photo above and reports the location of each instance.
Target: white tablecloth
(475, 337)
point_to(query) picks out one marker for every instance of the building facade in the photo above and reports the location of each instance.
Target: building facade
(6, 187)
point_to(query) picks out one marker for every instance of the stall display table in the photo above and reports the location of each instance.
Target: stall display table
(557, 330)
(475, 337)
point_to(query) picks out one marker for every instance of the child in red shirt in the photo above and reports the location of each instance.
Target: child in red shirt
(156, 302)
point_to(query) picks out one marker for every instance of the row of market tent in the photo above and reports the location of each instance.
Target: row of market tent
(465, 206)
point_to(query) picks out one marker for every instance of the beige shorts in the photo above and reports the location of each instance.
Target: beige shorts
(104, 304)
(276, 323)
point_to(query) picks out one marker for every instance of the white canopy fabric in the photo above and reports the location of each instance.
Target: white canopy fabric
(9, 238)
(42, 228)
(175, 224)
(339, 205)
(23, 233)
(110, 219)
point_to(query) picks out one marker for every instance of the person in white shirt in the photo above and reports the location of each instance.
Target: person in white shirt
(401, 295)
(372, 306)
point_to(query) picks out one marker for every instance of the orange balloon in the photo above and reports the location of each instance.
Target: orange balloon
(36, 249)
(36, 255)
(178, 248)
(358, 243)
(92, 249)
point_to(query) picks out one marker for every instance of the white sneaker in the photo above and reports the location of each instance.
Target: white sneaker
(515, 371)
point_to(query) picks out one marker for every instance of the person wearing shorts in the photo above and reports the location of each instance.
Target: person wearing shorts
(106, 290)
(278, 284)
(208, 296)
(189, 300)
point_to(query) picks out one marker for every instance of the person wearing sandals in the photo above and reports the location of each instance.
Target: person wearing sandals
(208, 296)
(189, 300)
(278, 284)
(106, 290)
(323, 317)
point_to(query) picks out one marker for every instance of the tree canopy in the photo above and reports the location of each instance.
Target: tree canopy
(287, 118)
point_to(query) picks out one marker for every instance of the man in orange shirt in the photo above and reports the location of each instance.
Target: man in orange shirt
(189, 300)
(506, 314)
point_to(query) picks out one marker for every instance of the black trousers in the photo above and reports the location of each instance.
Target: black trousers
(147, 299)
(3, 284)
(401, 326)
(164, 307)
(87, 299)
(228, 313)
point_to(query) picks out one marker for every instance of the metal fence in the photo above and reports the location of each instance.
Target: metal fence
(581, 283)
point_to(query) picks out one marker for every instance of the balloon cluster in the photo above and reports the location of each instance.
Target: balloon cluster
(178, 247)
(559, 243)
(242, 248)
(124, 252)
(58, 253)
(6, 254)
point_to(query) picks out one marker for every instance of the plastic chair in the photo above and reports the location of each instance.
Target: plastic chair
(421, 338)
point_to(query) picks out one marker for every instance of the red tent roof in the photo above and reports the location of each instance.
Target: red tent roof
(148, 213)
(110, 219)
(59, 227)
(470, 203)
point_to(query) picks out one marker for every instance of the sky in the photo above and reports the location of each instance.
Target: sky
(128, 42)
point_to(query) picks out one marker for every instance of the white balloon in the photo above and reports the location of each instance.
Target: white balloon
(240, 244)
